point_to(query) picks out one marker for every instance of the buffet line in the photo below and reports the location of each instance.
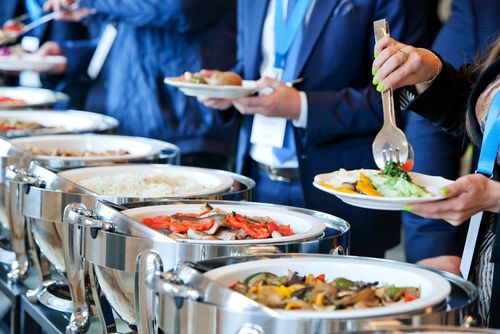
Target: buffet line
(131, 237)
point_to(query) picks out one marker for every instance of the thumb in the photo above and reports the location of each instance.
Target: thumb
(456, 188)
(268, 82)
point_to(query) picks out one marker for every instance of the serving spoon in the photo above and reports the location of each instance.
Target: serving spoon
(390, 144)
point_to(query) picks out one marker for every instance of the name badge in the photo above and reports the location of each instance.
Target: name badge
(268, 131)
(102, 51)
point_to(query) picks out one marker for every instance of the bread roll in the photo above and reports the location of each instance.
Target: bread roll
(225, 79)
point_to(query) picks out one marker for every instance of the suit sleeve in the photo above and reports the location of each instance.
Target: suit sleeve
(444, 103)
(180, 15)
(352, 111)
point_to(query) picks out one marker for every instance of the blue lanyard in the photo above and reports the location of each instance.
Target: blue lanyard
(285, 33)
(491, 139)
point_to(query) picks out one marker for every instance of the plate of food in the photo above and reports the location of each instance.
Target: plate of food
(14, 58)
(149, 181)
(220, 85)
(390, 189)
(228, 224)
(89, 147)
(334, 287)
(10, 31)
(27, 97)
(20, 123)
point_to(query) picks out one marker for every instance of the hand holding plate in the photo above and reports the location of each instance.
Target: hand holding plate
(283, 101)
(467, 196)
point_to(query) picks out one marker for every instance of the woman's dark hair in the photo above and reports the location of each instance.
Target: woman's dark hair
(486, 58)
(479, 65)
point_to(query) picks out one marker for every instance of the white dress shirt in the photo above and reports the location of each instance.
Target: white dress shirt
(264, 153)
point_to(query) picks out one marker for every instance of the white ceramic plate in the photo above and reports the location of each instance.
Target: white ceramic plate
(70, 121)
(304, 226)
(138, 148)
(33, 97)
(212, 181)
(434, 288)
(30, 62)
(212, 91)
(431, 183)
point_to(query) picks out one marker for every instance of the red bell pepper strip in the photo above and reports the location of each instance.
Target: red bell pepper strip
(408, 297)
(157, 222)
(178, 227)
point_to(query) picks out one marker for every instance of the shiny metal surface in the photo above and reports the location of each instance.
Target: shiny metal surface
(197, 316)
(44, 208)
(113, 254)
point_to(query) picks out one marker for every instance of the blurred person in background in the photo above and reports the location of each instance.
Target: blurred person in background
(329, 119)
(472, 26)
(58, 32)
(140, 43)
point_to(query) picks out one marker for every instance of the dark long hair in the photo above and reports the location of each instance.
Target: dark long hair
(481, 62)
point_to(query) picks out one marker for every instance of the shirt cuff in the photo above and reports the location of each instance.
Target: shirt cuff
(302, 121)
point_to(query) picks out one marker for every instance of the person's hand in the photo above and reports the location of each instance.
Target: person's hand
(449, 263)
(57, 5)
(283, 102)
(467, 196)
(218, 104)
(63, 14)
(52, 49)
(397, 65)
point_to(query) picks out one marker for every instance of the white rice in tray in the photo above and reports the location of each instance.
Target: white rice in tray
(135, 184)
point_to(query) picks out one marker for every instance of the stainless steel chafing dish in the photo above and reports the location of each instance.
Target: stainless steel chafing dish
(427, 330)
(15, 178)
(110, 242)
(186, 294)
(48, 194)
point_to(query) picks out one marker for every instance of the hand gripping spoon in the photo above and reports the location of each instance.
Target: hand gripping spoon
(390, 144)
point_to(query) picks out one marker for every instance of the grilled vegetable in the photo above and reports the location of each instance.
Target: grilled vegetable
(295, 292)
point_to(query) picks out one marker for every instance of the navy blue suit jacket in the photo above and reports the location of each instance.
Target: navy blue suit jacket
(472, 26)
(344, 110)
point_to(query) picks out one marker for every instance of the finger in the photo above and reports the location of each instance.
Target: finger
(391, 64)
(456, 188)
(207, 73)
(384, 56)
(383, 43)
(47, 6)
(268, 82)
(398, 78)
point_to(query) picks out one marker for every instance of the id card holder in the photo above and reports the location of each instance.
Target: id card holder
(269, 131)
(102, 51)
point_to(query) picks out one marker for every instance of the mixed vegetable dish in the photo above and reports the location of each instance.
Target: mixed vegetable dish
(295, 292)
(215, 224)
(392, 181)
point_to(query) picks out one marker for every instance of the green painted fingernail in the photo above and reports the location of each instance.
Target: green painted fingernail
(380, 87)
(374, 71)
(408, 208)
(375, 80)
(444, 191)
(375, 53)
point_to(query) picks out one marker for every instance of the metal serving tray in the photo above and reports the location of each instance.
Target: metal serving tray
(182, 300)
(110, 243)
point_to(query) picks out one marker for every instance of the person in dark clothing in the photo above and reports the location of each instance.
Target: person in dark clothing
(472, 26)
(154, 40)
(56, 32)
(459, 101)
